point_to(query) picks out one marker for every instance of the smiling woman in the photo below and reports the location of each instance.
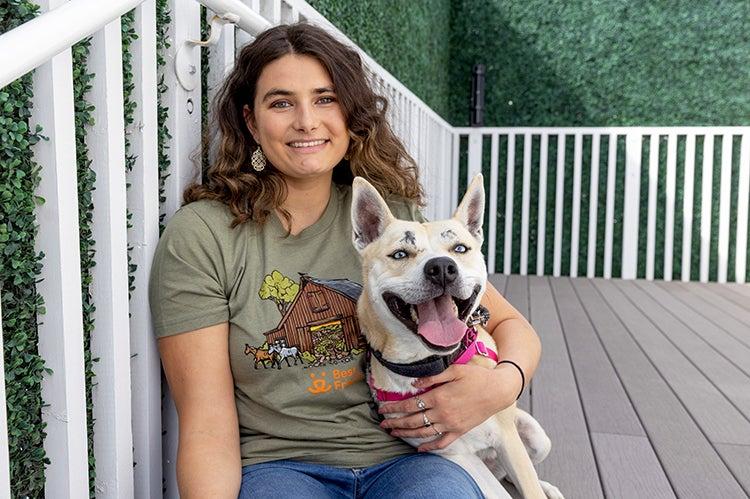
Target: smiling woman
(254, 287)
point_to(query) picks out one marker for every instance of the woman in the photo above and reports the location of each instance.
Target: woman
(253, 290)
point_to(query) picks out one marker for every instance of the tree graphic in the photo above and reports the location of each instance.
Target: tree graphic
(280, 289)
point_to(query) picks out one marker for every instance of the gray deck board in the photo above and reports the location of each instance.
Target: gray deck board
(738, 460)
(709, 294)
(606, 404)
(648, 322)
(730, 293)
(571, 465)
(717, 338)
(694, 340)
(644, 387)
(710, 312)
(629, 467)
(692, 464)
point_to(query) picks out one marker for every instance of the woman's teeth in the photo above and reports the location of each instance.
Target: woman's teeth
(307, 144)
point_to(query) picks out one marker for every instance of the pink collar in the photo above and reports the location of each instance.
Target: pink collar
(474, 347)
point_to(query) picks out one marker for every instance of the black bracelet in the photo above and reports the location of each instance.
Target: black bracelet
(523, 378)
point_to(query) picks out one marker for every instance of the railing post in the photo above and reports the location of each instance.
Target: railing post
(632, 202)
(143, 203)
(110, 340)
(509, 184)
(475, 156)
(743, 194)
(491, 235)
(61, 328)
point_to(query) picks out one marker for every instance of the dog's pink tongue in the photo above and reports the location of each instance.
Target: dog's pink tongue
(438, 323)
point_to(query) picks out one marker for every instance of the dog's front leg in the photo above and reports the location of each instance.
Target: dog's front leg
(490, 486)
(514, 458)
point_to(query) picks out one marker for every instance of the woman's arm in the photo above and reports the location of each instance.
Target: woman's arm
(200, 379)
(515, 338)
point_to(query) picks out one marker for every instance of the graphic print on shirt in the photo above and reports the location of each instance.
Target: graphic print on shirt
(318, 325)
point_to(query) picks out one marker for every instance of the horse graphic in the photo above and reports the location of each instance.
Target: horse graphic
(263, 356)
(285, 353)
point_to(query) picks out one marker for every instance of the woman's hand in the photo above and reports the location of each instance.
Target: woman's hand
(466, 396)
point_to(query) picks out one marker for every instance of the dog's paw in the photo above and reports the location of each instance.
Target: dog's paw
(550, 490)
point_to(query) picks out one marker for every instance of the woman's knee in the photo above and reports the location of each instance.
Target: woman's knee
(425, 476)
(270, 481)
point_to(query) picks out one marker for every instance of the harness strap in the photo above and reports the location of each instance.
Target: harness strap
(471, 347)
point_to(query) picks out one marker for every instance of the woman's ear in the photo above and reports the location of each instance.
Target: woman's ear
(249, 117)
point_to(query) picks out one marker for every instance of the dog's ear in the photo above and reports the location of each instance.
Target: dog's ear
(370, 214)
(471, 210)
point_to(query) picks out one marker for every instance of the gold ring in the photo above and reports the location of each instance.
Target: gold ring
(427, 422)
(420, 404)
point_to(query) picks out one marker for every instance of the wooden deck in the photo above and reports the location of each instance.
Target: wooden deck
(644, 387)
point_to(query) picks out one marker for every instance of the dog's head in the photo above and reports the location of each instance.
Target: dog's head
(421, 280)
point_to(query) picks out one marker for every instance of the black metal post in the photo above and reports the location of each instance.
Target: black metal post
(477, 95)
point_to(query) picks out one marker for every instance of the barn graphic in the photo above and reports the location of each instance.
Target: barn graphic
(318, 325)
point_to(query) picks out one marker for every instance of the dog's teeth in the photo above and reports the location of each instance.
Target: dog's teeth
(414, 315)
(455, 307)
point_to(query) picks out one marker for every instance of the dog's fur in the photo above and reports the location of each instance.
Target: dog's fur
(395, 254)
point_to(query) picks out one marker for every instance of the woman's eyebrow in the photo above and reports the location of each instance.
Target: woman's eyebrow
(324, 90)
(278, 92)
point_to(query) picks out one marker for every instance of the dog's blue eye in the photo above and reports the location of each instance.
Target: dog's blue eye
(460, 248)
(398, 255)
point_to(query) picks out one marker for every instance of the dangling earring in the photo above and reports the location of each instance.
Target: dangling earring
(258, 160)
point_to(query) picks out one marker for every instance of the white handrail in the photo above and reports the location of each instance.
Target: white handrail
(53, 32)
(60, 28)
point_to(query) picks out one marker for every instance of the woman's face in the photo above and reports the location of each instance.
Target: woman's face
(297, 119)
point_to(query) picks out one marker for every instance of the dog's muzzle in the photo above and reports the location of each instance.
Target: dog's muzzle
(439, 322)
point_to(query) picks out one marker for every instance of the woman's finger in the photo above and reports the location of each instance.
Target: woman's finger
(429, 432)
(418, 420)
(450, 374)
(439, 443)
(410, 405)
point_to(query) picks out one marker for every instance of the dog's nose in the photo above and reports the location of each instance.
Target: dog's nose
(441, 271)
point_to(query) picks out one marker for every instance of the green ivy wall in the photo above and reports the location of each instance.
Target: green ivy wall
(556, 62)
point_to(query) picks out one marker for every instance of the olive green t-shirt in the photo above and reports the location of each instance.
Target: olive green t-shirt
(296, 352)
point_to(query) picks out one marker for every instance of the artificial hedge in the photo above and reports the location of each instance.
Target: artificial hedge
(20, 267)
(129, 35)
(409, 39)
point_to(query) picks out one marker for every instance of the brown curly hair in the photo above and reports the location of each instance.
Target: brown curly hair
(374, 153)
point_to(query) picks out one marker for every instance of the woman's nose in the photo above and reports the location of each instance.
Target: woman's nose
(306, 119)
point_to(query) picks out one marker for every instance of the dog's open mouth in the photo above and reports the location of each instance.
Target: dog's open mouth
(440, 323)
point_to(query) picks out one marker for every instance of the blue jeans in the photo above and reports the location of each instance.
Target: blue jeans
(413, 476)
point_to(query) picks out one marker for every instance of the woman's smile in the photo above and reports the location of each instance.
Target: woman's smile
(308, 146)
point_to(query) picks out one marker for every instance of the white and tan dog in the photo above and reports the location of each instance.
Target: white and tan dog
(421, 283)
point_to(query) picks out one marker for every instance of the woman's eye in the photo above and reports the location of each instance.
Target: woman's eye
(398, 255)
(460, 248)
(281, 104)
(326, 100)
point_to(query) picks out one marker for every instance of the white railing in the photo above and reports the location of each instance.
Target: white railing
(127, 397)
(128, 393)
(617, 153)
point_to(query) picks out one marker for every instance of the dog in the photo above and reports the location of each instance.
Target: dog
(421, 283)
